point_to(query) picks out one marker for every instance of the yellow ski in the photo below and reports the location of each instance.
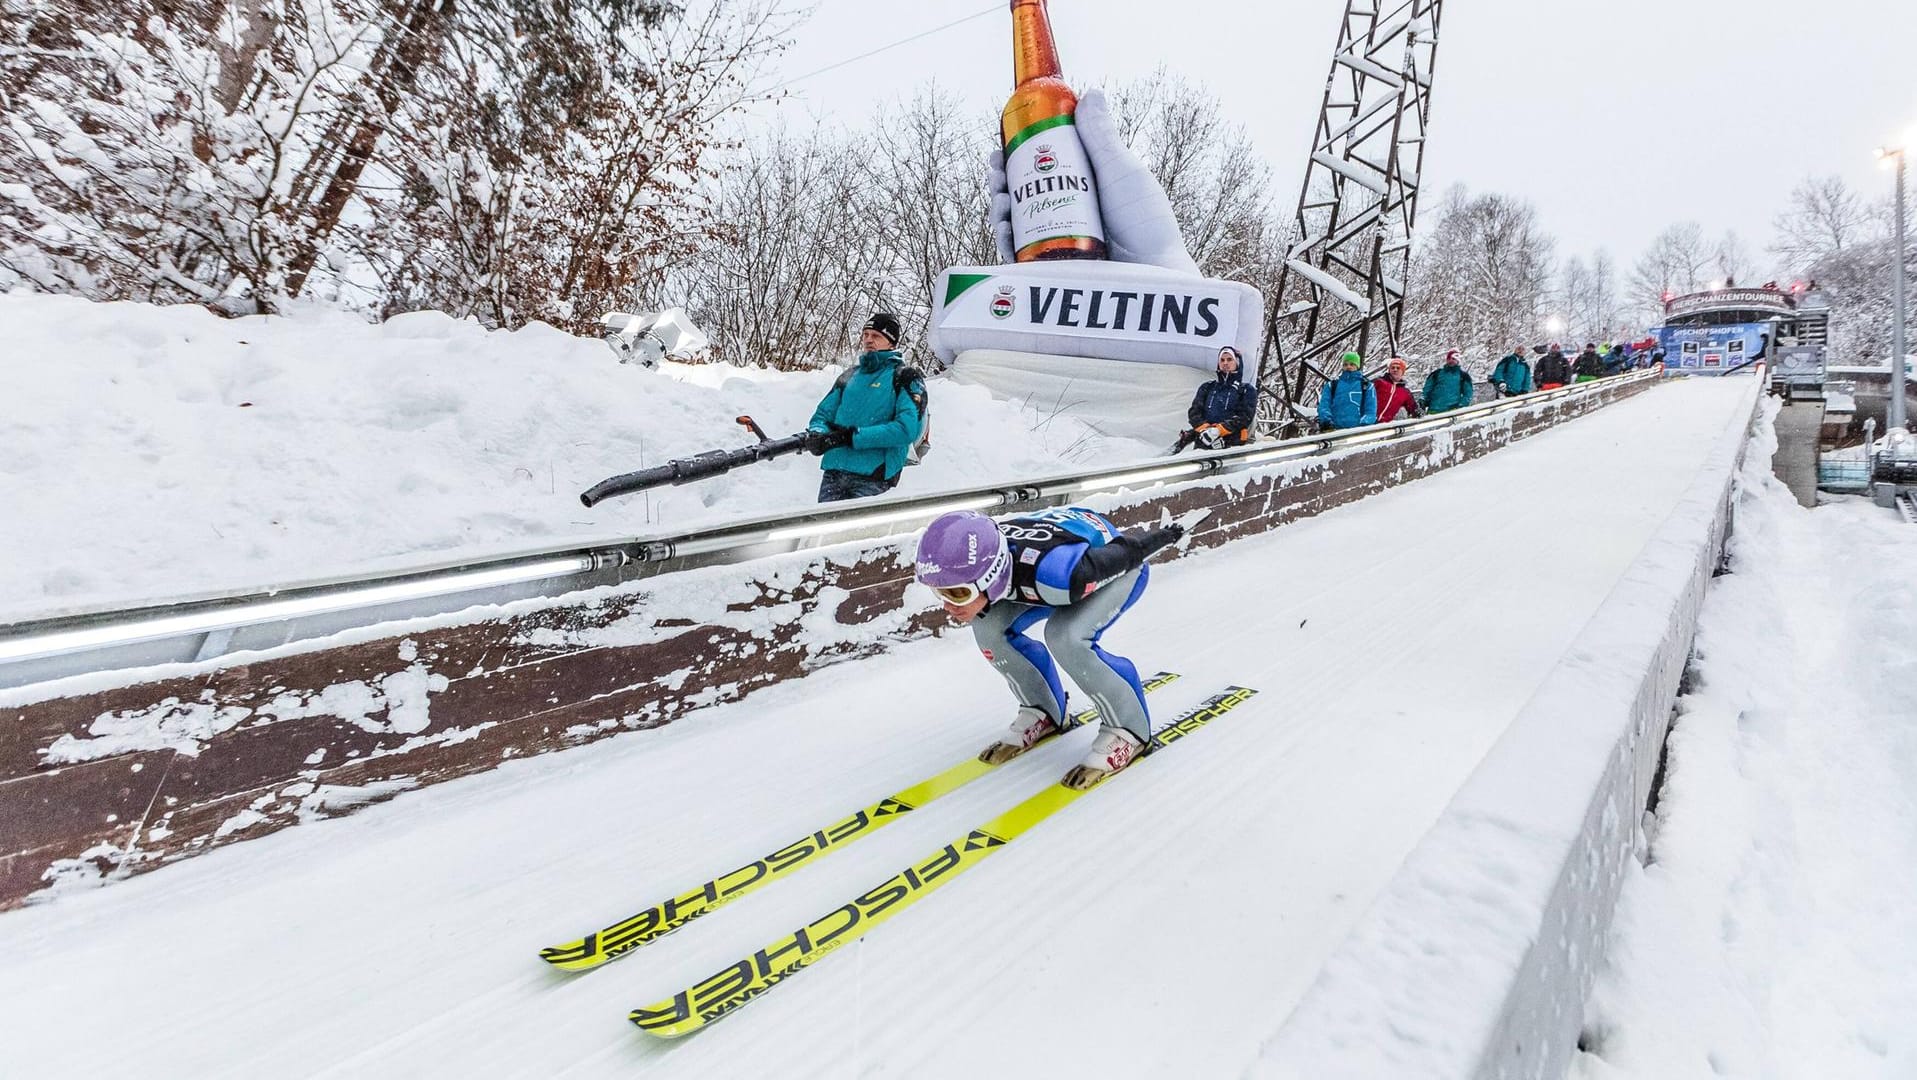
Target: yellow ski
(729, 989)
(668, 915)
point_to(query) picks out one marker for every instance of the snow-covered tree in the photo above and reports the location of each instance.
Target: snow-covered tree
(508, 159)
(165, 161)
(1859, 282)
(1482, 275)
(555, 178)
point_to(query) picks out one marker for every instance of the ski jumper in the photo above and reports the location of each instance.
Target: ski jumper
(1072, 571)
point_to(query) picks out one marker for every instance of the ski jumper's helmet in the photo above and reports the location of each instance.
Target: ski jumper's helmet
(965, 548)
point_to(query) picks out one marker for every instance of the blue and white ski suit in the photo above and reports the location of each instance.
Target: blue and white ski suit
(1072, 569)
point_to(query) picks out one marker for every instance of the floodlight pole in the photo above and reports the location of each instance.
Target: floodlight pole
(1898, 358)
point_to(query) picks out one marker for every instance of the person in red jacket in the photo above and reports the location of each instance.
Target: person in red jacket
(1394, 396)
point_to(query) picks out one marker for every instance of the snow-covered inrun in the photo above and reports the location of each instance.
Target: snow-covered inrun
(1165, 925)
(161, 452)
(1774, 932)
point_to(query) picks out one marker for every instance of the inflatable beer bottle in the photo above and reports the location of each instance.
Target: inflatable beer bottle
(1054, 194)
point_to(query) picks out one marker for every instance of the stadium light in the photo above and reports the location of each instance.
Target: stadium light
(1899, 354)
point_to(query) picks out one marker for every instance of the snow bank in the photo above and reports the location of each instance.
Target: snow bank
(149, 453)
(1477, 959)
(1771, 932)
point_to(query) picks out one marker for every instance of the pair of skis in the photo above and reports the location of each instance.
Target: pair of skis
(732, 987)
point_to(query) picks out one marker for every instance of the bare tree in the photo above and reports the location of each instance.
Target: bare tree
(1823, 219)
(1679, 261)
(801, 262)
(930, 193)
(1220, 188)
(1587, 299)
(1733, 260)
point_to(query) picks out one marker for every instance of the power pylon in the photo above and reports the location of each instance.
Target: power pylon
(1343, 282)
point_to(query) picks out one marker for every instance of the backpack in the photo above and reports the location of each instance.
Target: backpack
(909, 379)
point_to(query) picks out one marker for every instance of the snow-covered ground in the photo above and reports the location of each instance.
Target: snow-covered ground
(149, 453)
(1774, 933)
(1164, 926)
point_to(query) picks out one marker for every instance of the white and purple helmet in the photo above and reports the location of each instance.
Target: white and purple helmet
(963, 555)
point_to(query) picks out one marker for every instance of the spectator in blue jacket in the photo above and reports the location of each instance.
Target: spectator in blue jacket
(869, 419)
(1349, 400)
(1512, 376)
(1449, 387)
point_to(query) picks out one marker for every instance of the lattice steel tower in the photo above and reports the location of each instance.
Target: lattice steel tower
(1343, 282)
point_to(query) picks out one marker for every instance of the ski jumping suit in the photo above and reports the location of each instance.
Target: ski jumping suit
(1070, 568)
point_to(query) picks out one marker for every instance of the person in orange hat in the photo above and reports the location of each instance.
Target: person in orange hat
(1394, 397)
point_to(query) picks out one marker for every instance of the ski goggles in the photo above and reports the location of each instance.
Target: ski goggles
(958, 595)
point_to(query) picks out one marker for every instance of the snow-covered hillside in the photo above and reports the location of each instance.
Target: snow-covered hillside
(151, 452)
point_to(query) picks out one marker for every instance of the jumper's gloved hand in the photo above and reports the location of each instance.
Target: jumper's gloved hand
(1139, 224)
(1150, 540)
(1211, 436)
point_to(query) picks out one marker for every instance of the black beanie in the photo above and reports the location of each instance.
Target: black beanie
(885, 323)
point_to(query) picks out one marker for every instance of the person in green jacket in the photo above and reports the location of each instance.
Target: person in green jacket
(870, 418)
(1449, 387)
(1512, 376)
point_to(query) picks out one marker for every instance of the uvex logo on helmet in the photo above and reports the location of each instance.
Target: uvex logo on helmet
(971, 550)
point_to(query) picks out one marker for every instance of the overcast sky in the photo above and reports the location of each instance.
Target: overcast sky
(1614, 117)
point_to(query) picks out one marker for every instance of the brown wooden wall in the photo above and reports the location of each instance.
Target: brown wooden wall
(257, 746)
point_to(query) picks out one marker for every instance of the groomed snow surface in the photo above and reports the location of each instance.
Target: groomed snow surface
(161, 452)
(1166, 925)
(1774, 932)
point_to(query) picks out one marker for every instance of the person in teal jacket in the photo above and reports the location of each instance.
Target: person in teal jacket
(1449, 387)
(1512, 376)
(868, 421)
(1348, 401)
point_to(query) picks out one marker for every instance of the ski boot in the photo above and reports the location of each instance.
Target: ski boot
(1029, 728)
(1114, 749)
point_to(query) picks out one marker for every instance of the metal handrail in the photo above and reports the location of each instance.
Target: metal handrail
(30, 651)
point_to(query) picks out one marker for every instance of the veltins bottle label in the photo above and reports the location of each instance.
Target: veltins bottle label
(1050, 180)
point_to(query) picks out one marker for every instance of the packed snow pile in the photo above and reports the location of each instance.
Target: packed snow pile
(148, 453)
(1772, 933)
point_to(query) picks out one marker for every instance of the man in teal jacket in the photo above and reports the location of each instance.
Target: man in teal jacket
(1449, 387)
(1512, 376)
(868, 420)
